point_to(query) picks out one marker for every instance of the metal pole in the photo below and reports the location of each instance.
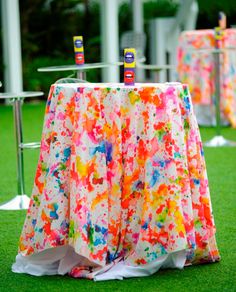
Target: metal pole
(19, 142)
(11, 46)
(81, 75)
(217, 92)
(110, 39)
(137, 10)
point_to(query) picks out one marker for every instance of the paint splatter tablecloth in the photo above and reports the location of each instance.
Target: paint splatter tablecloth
(196, 68)
(121, 187)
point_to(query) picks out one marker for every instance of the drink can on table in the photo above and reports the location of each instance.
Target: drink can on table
(79, 50)
(129, 66)
(219, 36)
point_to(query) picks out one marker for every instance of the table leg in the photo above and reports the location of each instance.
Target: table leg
(217, 93)
(19, 141)
(81, 75)
(21, 201)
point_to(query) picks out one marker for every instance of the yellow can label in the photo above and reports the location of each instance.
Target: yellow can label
(219, 33)
(78, 44)
(129, 58)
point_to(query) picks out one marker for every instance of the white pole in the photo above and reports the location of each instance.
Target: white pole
(11, 46)
(137, 8)
(159, 29)
(191, 19)
(137, 11)
(110, 36)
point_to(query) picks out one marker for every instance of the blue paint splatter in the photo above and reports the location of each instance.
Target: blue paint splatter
(49, 102)
(187, 103)
(53, 213)
(163, 250)
(40, 230)
(111, 256)
(196, 181)
(177, 155)
(101, 229)
(138, 185)
(108, 151)
(64, 224)
(232, 70)
(99, 241)
(152, 256)
(188, 58)
(202, 152)
(34, 222)
(101, 148)
(145, 226)
(155, 177)
(193, 245)
(66, 152)
(159, 225)
(162, 163)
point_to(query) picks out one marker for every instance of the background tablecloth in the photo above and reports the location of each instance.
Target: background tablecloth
(196, 69)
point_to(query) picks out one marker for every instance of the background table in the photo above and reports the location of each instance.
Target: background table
(121, 187)
(21, 200)
(196, 68)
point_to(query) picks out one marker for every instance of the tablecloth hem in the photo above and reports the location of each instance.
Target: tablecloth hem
(64, 260)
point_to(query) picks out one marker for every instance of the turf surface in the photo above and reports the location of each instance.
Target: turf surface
(221, 167)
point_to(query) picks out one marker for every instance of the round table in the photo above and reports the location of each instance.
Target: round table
(196, 55)
(120, 184)
(217, 140)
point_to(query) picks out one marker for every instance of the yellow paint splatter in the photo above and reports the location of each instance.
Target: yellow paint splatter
(134, 97)
(81, 167)
(98, 199)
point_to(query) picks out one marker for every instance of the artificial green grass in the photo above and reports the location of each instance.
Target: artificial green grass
(221, 166)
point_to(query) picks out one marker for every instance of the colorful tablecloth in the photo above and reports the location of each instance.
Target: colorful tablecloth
(121, 182)
(196, 68)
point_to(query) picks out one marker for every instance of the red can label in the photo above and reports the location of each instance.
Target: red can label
(129, 76)
(79, 58)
